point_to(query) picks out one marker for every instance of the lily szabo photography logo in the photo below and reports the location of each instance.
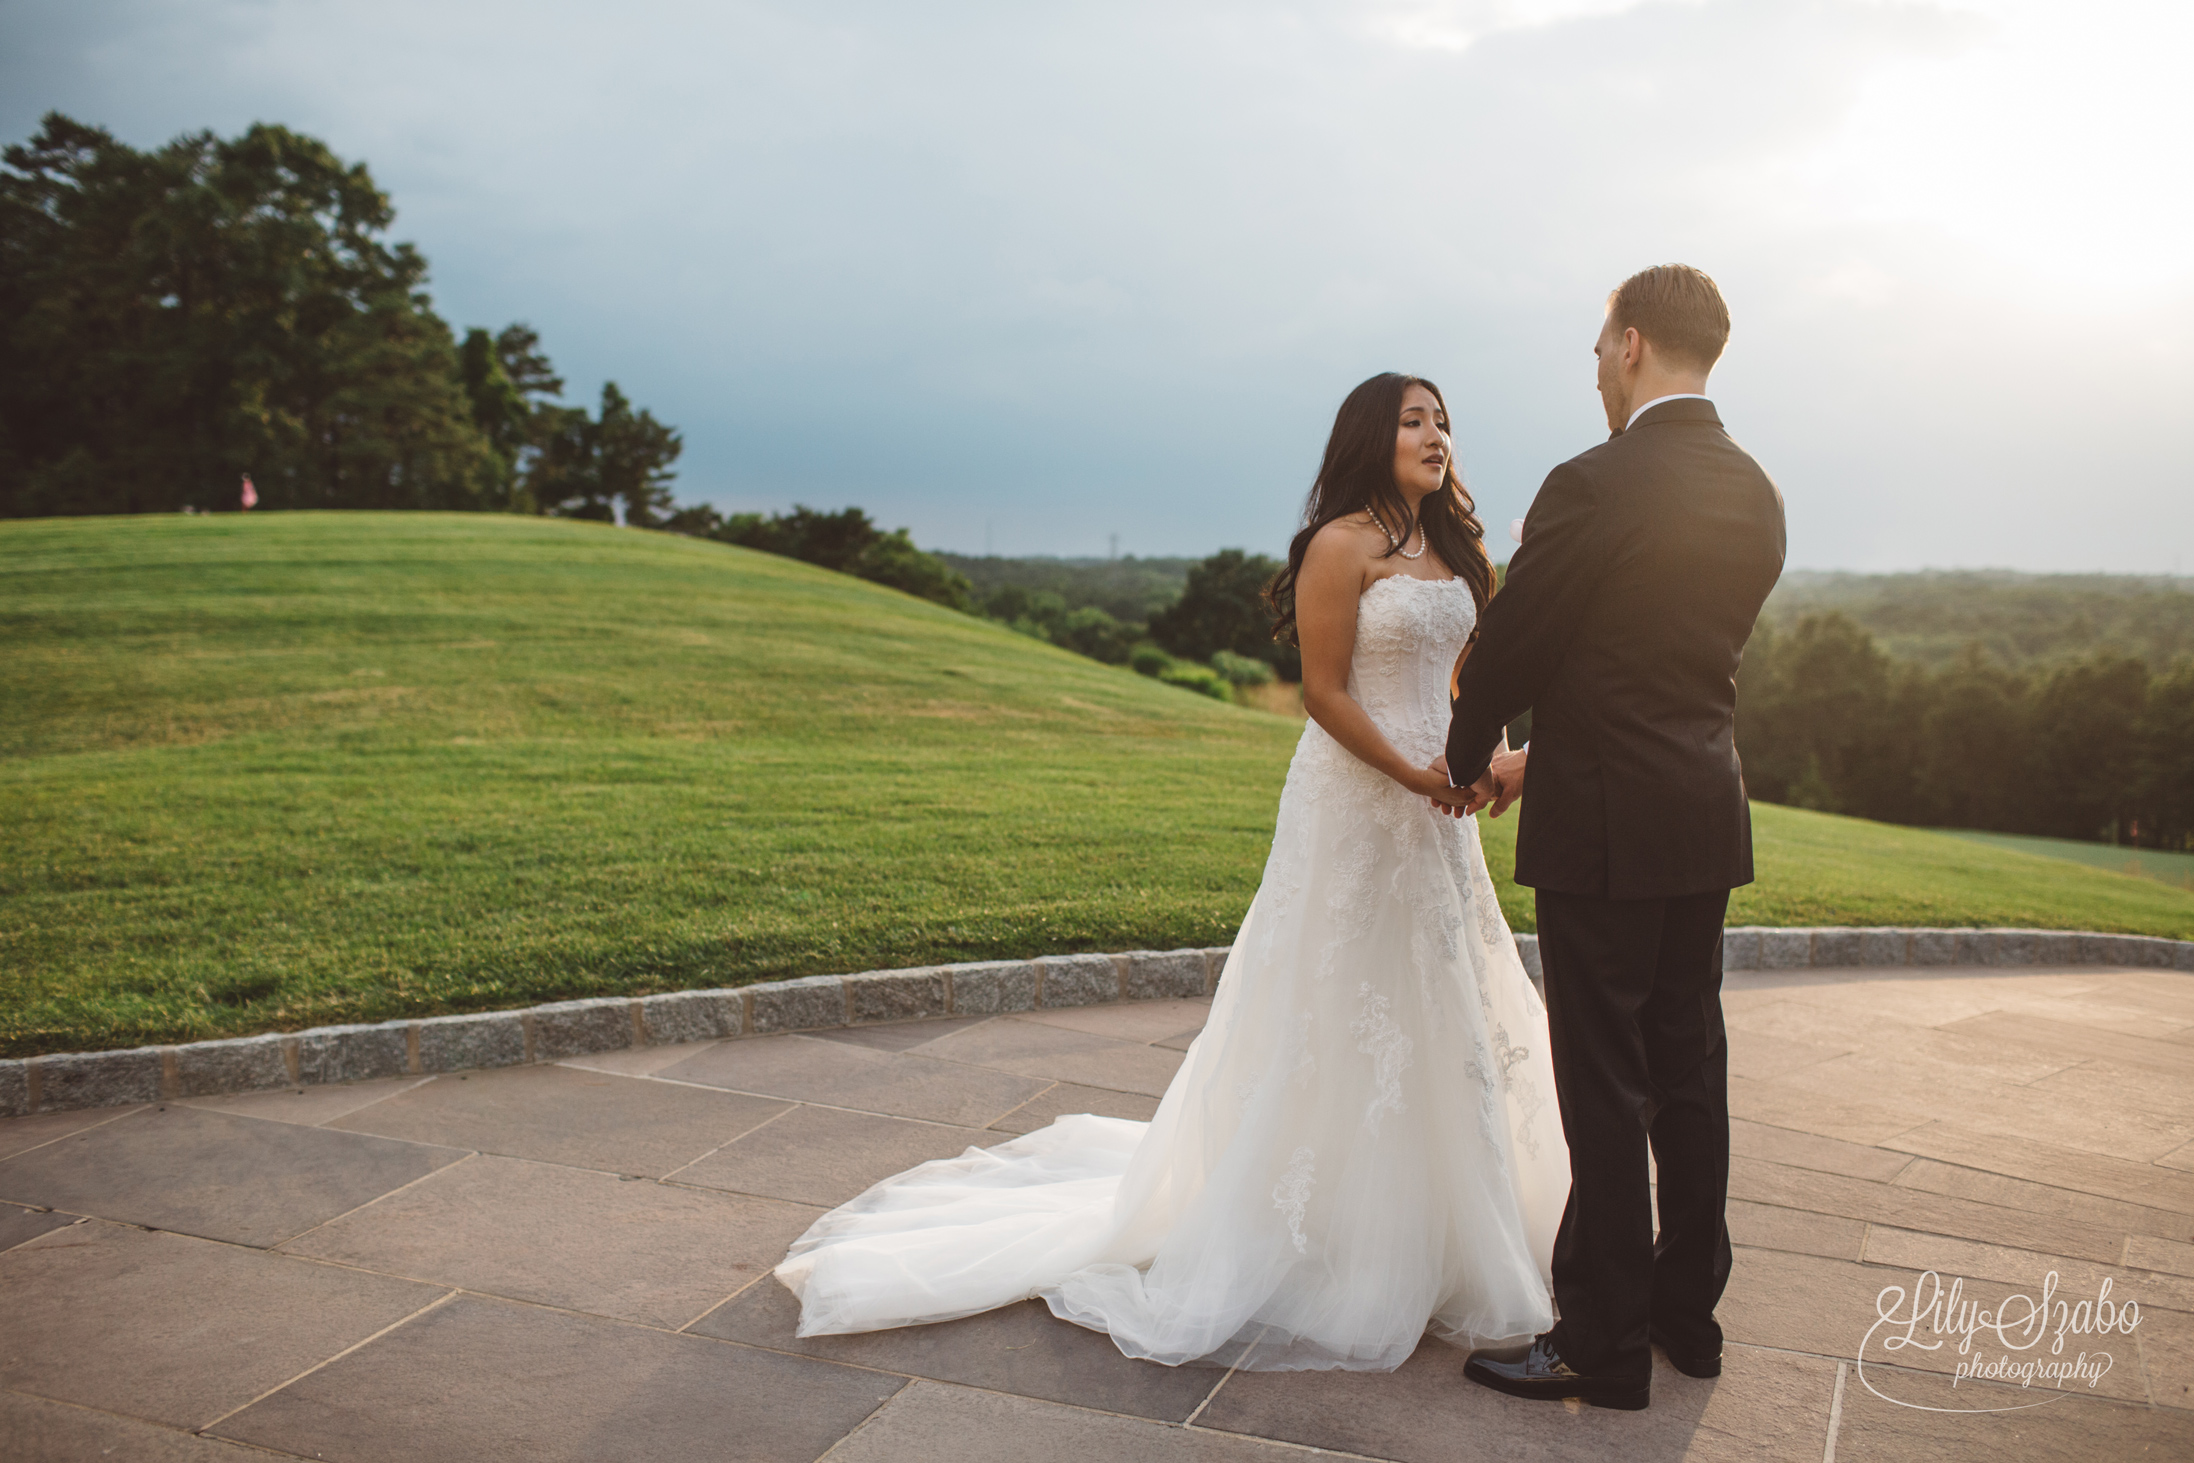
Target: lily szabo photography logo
(2054, 1342)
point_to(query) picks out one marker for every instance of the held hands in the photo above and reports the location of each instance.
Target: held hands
(1501, 784)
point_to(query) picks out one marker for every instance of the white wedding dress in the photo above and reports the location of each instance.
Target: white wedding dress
(1361, 1145)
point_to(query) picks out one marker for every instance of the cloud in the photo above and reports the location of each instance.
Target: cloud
(1053, 273)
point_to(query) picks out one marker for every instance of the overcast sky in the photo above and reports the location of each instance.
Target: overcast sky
(1034, 275)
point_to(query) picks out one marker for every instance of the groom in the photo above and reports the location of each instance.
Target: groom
(1643, 564)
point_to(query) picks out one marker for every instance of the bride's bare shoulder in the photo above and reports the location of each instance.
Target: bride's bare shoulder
(1344, 544)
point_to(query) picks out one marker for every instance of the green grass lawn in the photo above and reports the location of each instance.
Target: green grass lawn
(2146, 863)
(278, 771)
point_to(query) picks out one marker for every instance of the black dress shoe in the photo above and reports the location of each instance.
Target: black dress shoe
(1691, 1364)
(1538, 1372)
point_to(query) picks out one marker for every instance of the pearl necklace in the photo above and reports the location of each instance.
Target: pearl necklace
(1375, 518)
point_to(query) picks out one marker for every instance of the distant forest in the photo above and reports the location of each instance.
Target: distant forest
(2016, 620)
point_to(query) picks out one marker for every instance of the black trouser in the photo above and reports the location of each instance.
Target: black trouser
(1634, 1012)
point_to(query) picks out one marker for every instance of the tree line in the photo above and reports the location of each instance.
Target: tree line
(172, 320)
(1208, 631)
(1935, 616)
(2098, 747)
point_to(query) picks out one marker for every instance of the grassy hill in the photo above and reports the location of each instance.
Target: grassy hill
(283, 770)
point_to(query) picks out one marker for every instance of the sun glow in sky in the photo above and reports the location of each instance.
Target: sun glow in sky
(2053, 139)
(1106, 269)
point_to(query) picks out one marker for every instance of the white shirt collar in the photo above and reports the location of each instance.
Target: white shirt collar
(1656, 401)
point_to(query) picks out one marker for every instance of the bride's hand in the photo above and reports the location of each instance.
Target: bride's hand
(1456, 802)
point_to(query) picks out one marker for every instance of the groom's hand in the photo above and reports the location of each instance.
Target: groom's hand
(1507, 772)
(1485, 790)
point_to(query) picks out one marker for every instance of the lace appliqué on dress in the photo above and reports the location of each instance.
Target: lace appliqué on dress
(1388, 1046)
(1521, 1088)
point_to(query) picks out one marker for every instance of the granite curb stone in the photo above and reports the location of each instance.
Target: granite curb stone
(993, 987)
(437, 1044)
(796, 1005)
(1786, 949)
(1158, 975)
(328, 1054)
(463, 1043)
(246, 1064)
(579, 1028)
(1078, 980)
(896, 995)
(1835, 945)
(1934, 947)
(99, 1079)
(1885, 947)
(683, 1016)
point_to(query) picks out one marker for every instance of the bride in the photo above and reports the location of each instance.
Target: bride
(1362, 1144)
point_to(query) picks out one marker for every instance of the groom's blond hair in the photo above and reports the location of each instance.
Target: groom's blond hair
(1678, 309)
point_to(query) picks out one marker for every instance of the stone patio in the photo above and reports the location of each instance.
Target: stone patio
(571, 1261)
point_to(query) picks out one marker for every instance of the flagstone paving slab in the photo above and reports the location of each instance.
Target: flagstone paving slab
(839, 1074)
(215, 1175)
(931, 1422)
(1772, 1227)
(825, 1156)
(19, 1224)
(636, 1061)
(1020, 1349)
(2164, 1255)
(479, 1379)
(2068, 1429)
(1794, 1149)
(1907, 1208)
(2045, 1200)
(35, 1430)
(566, 1115)
(2151, 1185)
(1067, 1097)
(1826, 1115)
(897, 1036)
(1151, 1022)
(1033, 1049)
(628, 1248)
(2167, 1355)
(174, 1329)
(311, 1106)
(20, 1135)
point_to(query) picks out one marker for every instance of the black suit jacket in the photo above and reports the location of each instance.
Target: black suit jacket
(1627, 606)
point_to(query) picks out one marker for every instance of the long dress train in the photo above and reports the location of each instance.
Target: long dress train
(1361, 1145)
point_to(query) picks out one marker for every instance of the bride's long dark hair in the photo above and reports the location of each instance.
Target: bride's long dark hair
(1358, 473)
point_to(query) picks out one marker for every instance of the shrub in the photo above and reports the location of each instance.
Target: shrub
(1149, 660)
(1201, 679)
(1241, 670)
